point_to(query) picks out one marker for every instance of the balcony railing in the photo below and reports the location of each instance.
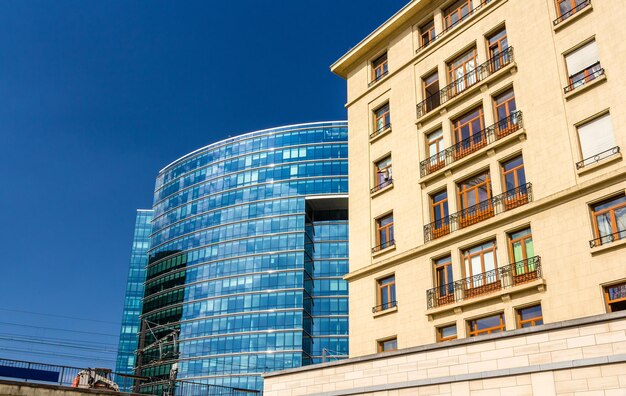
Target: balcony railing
(378, 78)
(487, 136)
(571, 12)
(381, 185)
(380, 130)
(598, 157)
(588, 74)
(461, 84)
(603, 240)
(488, 282)
(446, 30)
(384, 307)
(484, 210)
(383, 245)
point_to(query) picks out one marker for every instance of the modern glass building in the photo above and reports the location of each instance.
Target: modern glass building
(134, 293)
(248, 248)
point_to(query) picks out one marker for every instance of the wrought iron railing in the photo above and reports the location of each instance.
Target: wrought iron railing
(598, 157)
(446, 30)
(461, 84)
(380, 130)
(514, 274)
(378, 78)
(465, 147)
(383, 245)
(381, 185)
(384, 307)
(608, 238)
(484, 210)
(589, 74)
(571, 12)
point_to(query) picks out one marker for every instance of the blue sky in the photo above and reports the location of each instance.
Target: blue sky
(96, 97)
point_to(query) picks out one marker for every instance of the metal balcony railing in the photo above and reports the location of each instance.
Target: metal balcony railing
(380, 130)
(571, 12)
(383, 307)
(604, 239)
(484, 210)
(590, 73)
(378, 78)
(383, 245)
(381, 185)
(470, 79)
(598, 157)
(446, 30)
(487, 282)
(465, 147)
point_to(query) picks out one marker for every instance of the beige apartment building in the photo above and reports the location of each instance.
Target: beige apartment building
(487, 185)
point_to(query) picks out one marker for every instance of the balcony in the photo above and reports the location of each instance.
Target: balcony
(380, 131)
(462, 84)
(457, 23)
(606, 239)
(484, 210)
(381, 186)
(583, 77)
(571, 12)
(515, 274)
(384, 307)
(598, 157)
(465, 147)
(383, 246)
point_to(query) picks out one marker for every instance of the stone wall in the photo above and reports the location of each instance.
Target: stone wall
(15, 388)
(577, 357)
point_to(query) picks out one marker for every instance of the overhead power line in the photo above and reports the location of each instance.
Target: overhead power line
(59, 344)
(71, 341)
(59, 355)
(59, 316)
(58, 329)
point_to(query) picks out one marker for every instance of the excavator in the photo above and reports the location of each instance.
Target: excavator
(96, 378)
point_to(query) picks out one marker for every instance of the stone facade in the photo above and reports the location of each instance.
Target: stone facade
(577, 357)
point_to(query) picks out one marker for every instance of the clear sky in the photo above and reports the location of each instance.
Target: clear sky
(97, 96)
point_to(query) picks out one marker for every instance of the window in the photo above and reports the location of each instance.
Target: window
(379, 67)
(609, 220)
(446, 333)
(386, 292)
(522, 255)
(514, 178)
(434, 141)
(498, 54)
(383, 174)
(596, 140)
(566, 8)
(486, 325)
(506, 115)
(456, 12)
(615, 296)
(529, 316)
(384, 232)
(382, 118)
(475, 199)
(427, 33)
(583, 65)
(443, 280)
(461, 72)
(430, 85)
(439, 214)
(468, 132)
(388, 345)
(479, 265)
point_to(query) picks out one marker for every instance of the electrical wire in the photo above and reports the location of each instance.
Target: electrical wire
(61, 355)
(58, 329)
(60, 345)
(59, 316)
(71, 341)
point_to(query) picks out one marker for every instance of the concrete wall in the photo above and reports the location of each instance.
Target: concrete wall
(576, 357)
(14, 388)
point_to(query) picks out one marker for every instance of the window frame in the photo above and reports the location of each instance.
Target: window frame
(383, 113)
(426, 95)
(571, 11)
(441, 338)
(521, 322)
(448, 12)
(611, 210)
(522, 241)
(430, 32)
(467, 256)
(380, 344)
(463, 192)
(608, 301)
(378, 171)
(442, 205)
(388, 229)
(467, 75)
(515, 171)
(490, 330)
(458, 125)
(389, 289)
(380, 64)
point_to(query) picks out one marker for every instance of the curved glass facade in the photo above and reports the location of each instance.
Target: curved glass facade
(248, 248)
